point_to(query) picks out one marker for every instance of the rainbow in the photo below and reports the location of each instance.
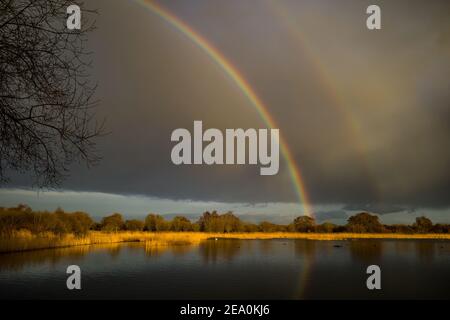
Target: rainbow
(286, 17)
(244, 87)
(304, 278)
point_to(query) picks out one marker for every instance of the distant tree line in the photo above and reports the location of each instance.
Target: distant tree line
(59, 222)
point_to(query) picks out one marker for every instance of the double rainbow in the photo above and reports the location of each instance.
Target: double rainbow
(243, 85)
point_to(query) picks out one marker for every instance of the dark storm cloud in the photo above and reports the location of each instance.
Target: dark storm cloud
(330, 215)
(392, 85)
(376, 208)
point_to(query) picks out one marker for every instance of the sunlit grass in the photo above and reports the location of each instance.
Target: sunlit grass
(25, 240)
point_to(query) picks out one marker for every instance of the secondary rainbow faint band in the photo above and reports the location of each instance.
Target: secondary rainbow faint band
(300, 38)
(243, 85)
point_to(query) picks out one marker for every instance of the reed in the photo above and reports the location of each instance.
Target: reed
(25, 240)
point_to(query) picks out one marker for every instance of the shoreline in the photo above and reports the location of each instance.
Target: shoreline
(25, 241)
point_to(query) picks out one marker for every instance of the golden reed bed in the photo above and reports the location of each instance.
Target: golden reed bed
(24, 240)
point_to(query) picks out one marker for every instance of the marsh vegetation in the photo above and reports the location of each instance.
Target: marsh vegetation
(23, 229)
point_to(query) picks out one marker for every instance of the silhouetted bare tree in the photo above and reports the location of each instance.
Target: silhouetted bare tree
(46, 98)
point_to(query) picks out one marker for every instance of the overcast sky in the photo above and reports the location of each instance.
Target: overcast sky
(365, 113)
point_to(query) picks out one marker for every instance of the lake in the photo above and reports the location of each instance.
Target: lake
(233, 269)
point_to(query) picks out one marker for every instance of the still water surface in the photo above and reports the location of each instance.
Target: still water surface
(233, 269)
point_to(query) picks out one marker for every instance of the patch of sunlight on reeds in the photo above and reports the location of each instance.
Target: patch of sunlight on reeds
(25, 240)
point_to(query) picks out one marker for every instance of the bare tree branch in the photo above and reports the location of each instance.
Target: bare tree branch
(47, 118)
